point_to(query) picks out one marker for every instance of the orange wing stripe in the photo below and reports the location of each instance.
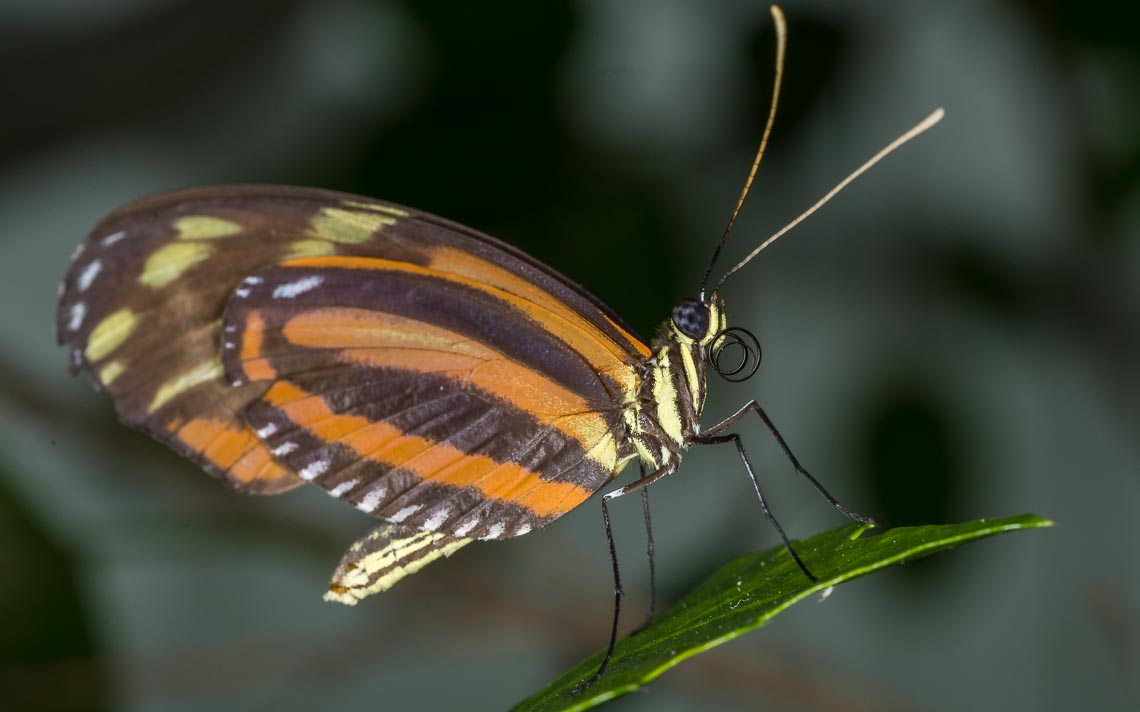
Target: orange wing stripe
(255, 366)
(258, 464)
(448, 259)
(384, 340)
(431, 461)
(598, 350)
(231, 447)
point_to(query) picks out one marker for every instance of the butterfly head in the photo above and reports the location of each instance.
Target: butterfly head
(695, 322)
(733, 352)
(696, 337)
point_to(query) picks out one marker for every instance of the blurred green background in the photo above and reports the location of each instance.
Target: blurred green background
(956, 336)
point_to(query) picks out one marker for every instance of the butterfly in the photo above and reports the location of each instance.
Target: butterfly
(427, 374)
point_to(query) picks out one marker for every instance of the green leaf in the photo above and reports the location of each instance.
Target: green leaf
(746, 593)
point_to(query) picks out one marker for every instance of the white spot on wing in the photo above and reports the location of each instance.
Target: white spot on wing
(523, 529)
(284, 448)
(243, 292)
(314, 469)
(231, 328)
(292, 289)
(267, 430)
(466, 526)
(252, 279)
(495, 531)
(372, 500)
(343, 487)
(113, 238)
(405, 512)
(88, 275)
(437, 518)
(75, 316)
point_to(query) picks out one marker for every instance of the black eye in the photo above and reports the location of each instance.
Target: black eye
(691, 318)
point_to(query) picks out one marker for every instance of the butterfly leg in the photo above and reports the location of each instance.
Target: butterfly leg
(734, 438)
(649, 552)
(640, 484)
(652, 611)
(753, 406)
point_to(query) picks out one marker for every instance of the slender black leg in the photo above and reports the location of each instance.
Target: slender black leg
(641, 484)
(753, 406)
(649, 552)
(734, 438)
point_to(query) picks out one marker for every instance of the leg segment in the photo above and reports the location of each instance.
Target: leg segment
(753, 406)
(652, 568)
(640, 484)
(734, 438)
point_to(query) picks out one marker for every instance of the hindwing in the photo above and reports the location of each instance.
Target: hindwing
(427, 397)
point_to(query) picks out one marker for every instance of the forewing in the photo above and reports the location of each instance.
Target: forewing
(426, 397)
(140, 308)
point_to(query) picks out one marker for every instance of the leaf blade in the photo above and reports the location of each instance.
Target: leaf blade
(746, 593)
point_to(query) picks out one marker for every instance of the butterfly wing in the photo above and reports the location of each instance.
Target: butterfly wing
(141, 305)
(429, 397)
(140, 309)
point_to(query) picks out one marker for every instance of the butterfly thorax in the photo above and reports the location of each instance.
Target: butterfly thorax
(664, 418)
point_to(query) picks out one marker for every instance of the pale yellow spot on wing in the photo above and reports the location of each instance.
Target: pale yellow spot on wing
(111, 371)
(310, 248)
(351, 226)
(376, 206)
(110, 334)
(168, 263)
(205, 371)
(605, 453)
(204, 227)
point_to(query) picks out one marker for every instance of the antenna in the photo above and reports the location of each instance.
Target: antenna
(781, 46)
(922, 126)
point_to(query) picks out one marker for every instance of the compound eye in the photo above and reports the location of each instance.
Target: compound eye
(691, 318)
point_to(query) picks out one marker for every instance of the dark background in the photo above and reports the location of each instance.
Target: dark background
(956, 336)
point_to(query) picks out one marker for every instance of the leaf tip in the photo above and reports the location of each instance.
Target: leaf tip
(1036, 522)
